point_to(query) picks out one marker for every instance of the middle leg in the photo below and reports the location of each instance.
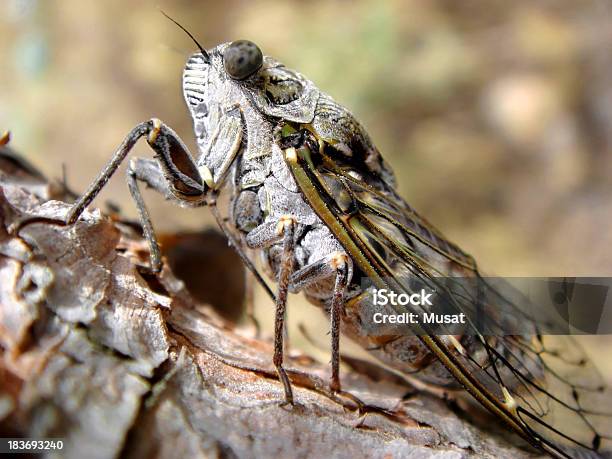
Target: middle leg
(286, 229)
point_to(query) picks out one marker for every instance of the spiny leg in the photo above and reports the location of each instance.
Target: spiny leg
(180, 172)
(103, 177)
(174, 175)
(338, 264)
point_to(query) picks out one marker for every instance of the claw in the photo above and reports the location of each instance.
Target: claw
(282, 376)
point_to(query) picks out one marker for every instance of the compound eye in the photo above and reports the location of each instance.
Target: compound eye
(241, 59)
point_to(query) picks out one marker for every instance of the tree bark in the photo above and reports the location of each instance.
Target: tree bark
(118, 362)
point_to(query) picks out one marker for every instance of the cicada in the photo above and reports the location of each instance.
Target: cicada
(299, 188)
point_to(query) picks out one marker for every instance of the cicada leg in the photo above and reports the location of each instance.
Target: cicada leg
(149, 172)
(338, 264)
(264, 236)
(285, 229)
(174, 174)
(145, 219)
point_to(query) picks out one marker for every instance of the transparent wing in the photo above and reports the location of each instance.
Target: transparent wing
(543, 386)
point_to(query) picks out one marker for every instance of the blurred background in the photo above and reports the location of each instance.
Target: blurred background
(496, 116)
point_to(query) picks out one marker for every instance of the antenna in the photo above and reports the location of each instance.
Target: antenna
(202, 50)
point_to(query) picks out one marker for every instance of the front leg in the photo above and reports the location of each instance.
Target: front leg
(177, 164)
(179, 178)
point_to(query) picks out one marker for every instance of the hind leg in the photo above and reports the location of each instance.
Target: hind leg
(337, 264)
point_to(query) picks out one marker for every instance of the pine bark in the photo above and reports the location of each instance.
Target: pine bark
(121, 363)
